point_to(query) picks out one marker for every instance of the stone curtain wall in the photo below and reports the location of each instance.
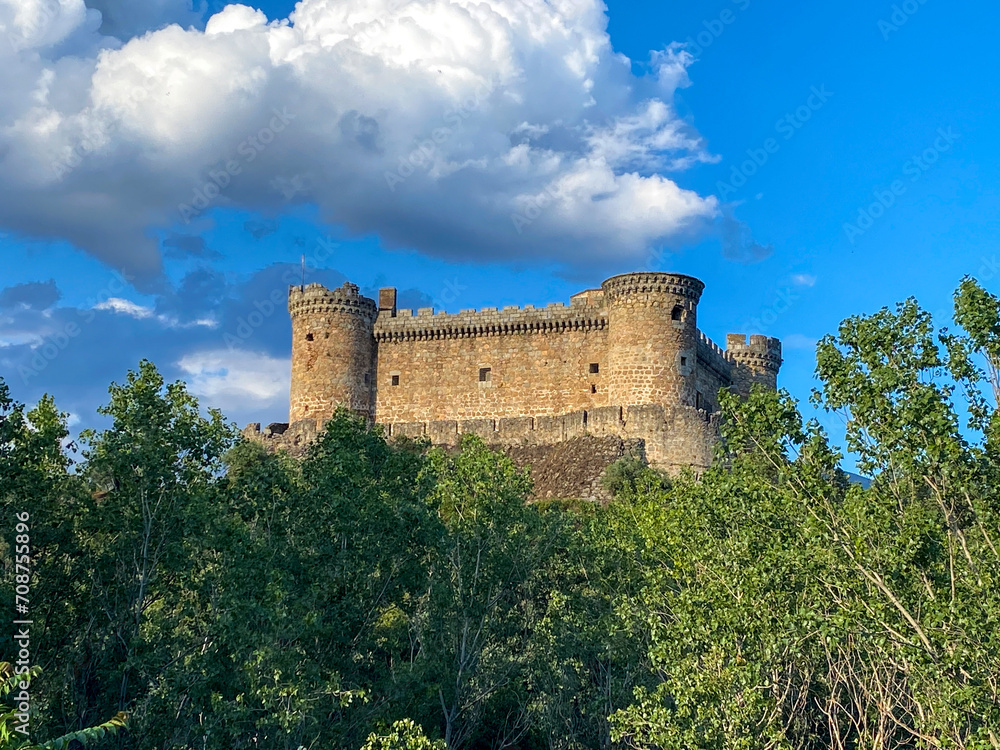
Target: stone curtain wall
(539, 362)
(713, 374)
(671, 438)
(674, 437)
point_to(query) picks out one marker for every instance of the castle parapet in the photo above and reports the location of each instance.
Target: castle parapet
(674, 437)
(511, 321)
(657, 284)
(712, 355)
(317, 299)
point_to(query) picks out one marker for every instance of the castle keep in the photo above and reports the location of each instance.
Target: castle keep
(626, 360)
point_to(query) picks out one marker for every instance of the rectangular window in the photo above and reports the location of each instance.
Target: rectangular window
(593, 389)
(485, 374)
(684, 361)
(594, 368)
(395, 379)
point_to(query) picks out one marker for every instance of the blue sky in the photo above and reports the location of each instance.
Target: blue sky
(812, 163)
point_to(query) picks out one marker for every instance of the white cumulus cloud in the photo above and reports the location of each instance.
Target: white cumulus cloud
(125, 307)
(139, 312)
(475, 130)
(231, 379)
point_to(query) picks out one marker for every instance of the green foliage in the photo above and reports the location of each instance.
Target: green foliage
(628, 474)
(13, 727)
(383, 595)
(475, 623)
(402, 735)
(793, 610)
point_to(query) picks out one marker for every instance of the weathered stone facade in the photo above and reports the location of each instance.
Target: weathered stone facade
(626, 361)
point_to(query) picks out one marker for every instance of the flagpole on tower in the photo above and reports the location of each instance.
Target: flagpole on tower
(303, 272)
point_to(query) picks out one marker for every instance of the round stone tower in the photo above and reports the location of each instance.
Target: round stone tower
(333, 351)
(756, 363)
(652, 338)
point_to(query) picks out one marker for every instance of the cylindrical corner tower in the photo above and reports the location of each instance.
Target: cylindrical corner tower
(333, 351)
(652, 338)
(756, 363)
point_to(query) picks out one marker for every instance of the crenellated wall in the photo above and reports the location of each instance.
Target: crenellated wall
(674, 437)
(671, 438)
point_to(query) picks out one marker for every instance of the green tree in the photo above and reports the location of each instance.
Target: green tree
(38, 489)
(402, 735)
(146, 553)
(588, 650)
(324, 562)
(14, 727)
(793, 610)
(477, 617)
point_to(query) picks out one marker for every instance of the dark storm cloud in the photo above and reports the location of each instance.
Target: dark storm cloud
(125, 19)
(182, 246)
(37, 295)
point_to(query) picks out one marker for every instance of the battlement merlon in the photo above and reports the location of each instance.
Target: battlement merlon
(316, 298)
(764, 350)
(425, 324)
(631, 284)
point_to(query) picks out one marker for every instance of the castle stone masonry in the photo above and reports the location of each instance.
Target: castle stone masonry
(626, 360)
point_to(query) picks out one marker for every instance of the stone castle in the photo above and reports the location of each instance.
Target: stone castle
(625, 361)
